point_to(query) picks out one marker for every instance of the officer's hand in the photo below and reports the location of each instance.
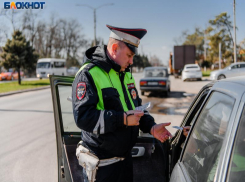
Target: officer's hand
(133, 117)
(160, 132)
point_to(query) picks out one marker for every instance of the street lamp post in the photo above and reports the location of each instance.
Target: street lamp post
(94, 10)
(234, 29)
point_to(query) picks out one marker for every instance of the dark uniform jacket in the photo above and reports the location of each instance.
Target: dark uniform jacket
(116, 140)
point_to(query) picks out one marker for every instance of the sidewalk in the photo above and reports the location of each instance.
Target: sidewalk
(21, 91)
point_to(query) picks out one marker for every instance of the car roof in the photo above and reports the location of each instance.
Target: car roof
(50, 59)
(155, 67)
(239, 80)
(237, 63)
(191, 65)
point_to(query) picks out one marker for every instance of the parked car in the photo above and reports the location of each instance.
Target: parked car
(72, 71)
(213, 151)
(10, 75)
(235, 69)
(156, 79)
(191, 71)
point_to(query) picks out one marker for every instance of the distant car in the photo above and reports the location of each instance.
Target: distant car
(156, 79)
(10, 75)
(191, 71)
(235, 69)
(72, 71)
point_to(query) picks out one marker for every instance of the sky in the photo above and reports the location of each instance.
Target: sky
(164, 20)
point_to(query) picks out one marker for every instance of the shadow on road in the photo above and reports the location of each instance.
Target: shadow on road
(170, 95)
(176, 103)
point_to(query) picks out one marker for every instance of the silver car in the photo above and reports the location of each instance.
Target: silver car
(235, 69)
(156, 79)
(214, 150)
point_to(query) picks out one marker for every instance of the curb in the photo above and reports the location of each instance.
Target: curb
(22, 91)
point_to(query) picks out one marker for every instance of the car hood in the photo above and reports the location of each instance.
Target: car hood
(154, 78)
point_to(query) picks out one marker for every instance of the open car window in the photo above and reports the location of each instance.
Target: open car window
(237, 163)
(201, 154)
(68, 121)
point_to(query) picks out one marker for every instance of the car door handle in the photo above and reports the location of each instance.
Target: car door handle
(138, 151)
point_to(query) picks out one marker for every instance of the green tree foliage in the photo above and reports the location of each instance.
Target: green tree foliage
(141, 61)
(197, 39)
(17, 54)
(220, 32)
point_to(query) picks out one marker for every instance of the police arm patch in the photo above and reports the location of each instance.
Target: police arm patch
(81, 90)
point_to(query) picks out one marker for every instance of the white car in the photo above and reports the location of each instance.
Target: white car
(235, 69)
(72, 71)
(191, 71)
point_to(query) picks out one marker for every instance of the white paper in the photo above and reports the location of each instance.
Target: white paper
(144, 107)
(177, 127)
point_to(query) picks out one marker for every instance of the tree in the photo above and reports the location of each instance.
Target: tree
(17, 53)
(141, 61)
(220, 32)
(197, 39)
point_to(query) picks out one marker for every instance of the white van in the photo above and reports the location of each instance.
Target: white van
(50, 66)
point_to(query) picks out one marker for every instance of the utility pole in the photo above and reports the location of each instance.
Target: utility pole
(234, 29)
(94, 11)
(205, 44)
(220, 55)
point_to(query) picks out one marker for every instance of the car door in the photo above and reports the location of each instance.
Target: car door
(201, 153)
(236, 168)
(67, 134)
(234, 71)
(242, 69)
(150, 157)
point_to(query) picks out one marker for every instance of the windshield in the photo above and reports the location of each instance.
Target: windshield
(43, 65)
(156, 73)
(190, 67)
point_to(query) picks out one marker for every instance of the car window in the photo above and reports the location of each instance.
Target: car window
(156, 73)
(237, 162)
(43, 65)
(59, 64)
(190, 67)
(202, 150)
(235, 66)
(68, 121)
(242, 65)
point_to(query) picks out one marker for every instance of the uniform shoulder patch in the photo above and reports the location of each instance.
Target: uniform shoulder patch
(134, 94)
(81, 90)
(130, 85)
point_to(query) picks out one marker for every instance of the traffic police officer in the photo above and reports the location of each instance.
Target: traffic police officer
(104, 98)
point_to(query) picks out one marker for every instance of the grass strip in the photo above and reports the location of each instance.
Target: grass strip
(14, 86)
(206, 73)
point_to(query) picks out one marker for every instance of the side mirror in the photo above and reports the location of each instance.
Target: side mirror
(229, 68)
(52, 65)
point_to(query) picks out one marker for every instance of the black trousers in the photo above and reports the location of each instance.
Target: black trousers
(121, 171)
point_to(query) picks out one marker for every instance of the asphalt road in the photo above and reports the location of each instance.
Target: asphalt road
(28, 147)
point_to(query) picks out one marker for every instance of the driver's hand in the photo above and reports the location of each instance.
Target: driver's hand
(186, 130)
